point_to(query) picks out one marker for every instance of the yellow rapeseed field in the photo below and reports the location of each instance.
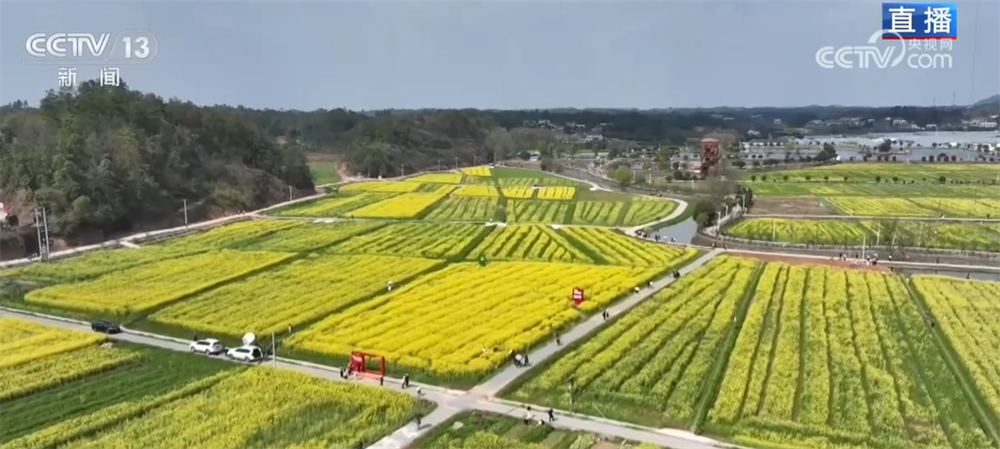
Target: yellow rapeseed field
(22, 341)
(441, 322)
(488, 191)
(155, 284)
(262, 407)
(521, 192)
(290, 295)
(407, 205)
(556, 193)
(481, 170)
(55, 369)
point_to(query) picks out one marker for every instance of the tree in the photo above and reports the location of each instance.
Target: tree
(623, 176)
(739, 163)
(499, 144)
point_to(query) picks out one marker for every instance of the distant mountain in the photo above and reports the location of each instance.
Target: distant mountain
(994, 100)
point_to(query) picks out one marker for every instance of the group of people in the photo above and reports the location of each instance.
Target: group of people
(520, 360)
(529, 416)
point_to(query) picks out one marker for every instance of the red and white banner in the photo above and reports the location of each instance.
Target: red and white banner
(578, 296)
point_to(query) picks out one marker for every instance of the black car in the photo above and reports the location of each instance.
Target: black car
(105, 326)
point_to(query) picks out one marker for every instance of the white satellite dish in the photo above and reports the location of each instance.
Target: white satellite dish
(248, 339)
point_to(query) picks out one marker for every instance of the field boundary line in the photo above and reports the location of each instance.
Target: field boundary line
(964, 377)
(710, 389)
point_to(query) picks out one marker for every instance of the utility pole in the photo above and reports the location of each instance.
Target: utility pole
(456, 162)
(45, 223)
(289, 193)
(38, 230)
(439, 164)
(185, 212)
(402, 170)
(274, 355)
(474, 163)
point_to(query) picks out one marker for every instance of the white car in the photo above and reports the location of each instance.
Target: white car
(208, 346)
(246, 353)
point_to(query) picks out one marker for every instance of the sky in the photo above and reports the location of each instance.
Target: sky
(504, 54)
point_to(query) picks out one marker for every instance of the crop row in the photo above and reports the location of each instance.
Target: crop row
(652, 364)
(24, 341)
(290, 295)
(520, 192)
(536, 211)
(151, 285)
(429, 240)
(556, 193)
(469, 208)
(54, 369)
(94, 264)
(908, 172)
(448, 323)
(529, 242)
(621, 250)
(916, 207)
(964, 236)
(967, 312)
(553, 181)
(830, 357)
(883, 190)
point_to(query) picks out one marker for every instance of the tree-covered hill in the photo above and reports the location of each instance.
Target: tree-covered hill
(115, 160)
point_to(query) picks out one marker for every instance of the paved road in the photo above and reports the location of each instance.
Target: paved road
(496, 383)
(873, 217)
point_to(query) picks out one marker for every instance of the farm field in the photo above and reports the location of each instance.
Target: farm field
(480, 170)
(537, 211)
(599, 213)
(967, 312)
(652, 365)
(407, 205)
(429, 240)
(522, 192)
(916, 207)
(382, 186)
(529, 242)
(331, 206)
(919, 172)
(556, 193)
(438, 178)
(129, 396)
(832, 188)
(605, 245)
(904, 234)
(305, 237)
(465, 208)
(502, 306)
(473, 190)
(290, 295)
(829, 357)
(94, 264)
(482, 430)
(151, 285)
(324, 172)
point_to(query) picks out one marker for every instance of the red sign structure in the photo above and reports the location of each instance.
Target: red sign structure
(578, 296)
(359, 364)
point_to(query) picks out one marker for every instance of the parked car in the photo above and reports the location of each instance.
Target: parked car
(208, 346)
(105, 326)
(246, 353)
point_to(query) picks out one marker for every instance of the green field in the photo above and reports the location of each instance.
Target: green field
(900, 234)
(324, 172)
(832, 188)
(482, 430)
(918, 172)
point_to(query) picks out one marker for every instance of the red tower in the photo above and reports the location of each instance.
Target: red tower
(709, 154)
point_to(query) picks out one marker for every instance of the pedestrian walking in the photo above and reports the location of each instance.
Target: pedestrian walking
(637, 289)
(195, 336)
(527, 418)
(526, 362)
(558, 340)
(381, 381)
(420, 391)
(419, 420)
(552, 415)
(650, 285)
(406, 381)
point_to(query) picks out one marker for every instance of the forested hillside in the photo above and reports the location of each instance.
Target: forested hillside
(115, 160)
